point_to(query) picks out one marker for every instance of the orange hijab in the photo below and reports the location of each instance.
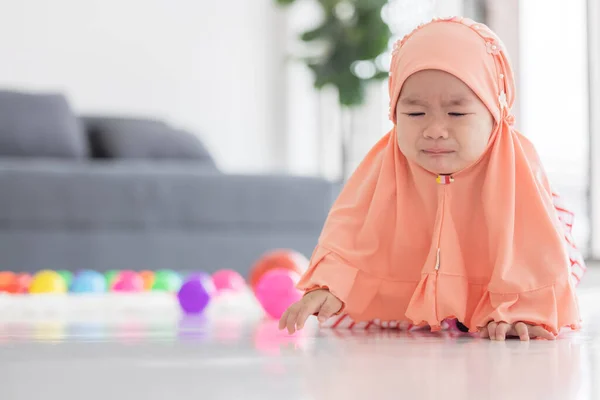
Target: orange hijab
(403, 244)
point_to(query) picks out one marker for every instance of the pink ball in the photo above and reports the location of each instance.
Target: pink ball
(227, 279)
(276, 291)
(128, 281)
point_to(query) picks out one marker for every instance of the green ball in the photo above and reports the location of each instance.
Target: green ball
(110, 277)
(67, 276)
(166, 281)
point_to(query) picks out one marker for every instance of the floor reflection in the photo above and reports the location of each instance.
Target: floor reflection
(432, 366)
(168, 349)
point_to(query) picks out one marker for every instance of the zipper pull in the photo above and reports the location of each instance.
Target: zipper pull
(437, 260)
(444, 179)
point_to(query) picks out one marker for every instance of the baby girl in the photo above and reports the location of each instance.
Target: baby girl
(450, 216)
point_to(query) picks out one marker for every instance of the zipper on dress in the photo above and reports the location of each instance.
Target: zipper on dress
(442, 180)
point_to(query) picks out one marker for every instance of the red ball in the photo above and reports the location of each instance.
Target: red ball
(281, 259)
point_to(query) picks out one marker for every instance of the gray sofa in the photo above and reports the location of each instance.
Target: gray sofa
(131, 193)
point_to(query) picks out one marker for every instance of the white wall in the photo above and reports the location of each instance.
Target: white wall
(447, 8)
(503, 19)
(594, 65)
(303, 131)
(210, 66)
(554, 97)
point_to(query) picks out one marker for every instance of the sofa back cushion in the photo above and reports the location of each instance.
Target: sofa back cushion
(40, 125)
(142, 139)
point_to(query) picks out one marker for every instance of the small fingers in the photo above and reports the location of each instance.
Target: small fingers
(484, 333)
(522, 331)
(539, 332)
(293, 316)
(501, 330)
(296, 315)
(310, 307)
(283, 319)
(492, 330)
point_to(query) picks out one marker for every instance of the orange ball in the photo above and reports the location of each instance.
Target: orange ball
(148, 278)
(8, 282)
(281, 258)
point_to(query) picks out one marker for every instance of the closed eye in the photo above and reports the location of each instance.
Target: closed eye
(418, 114)
(457, 114)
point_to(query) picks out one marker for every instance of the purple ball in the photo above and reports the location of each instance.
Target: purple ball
(206, 280)
(193, 295)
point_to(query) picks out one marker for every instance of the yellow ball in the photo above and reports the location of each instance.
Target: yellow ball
(47, 282)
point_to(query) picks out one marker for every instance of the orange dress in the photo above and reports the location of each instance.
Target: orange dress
(404, 246)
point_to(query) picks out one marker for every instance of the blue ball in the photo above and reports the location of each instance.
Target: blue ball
(88, 282)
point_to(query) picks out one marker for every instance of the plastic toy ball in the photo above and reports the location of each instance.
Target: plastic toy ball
(47, 282)
(8, 282)
(148, 277)
(193, 296)
(110, 276)
(67, 276)
(228, 280)
(283, 258)
(207, 282)
(88, 282)
(14, 283)
(23, 283)
(128, 281)
(276, 291)
(166, 281)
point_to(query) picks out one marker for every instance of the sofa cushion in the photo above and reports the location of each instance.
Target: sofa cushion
(39, 125)
(142, 196)
(138, 139)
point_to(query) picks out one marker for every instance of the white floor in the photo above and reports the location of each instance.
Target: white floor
(142, 348)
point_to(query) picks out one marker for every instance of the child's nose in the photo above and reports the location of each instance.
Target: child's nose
(435, 130)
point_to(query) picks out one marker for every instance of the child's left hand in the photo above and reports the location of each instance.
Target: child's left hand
(502, 330)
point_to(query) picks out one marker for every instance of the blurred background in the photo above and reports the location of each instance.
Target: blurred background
(215, 131)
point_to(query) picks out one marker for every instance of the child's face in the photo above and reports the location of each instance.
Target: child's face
(441, 124)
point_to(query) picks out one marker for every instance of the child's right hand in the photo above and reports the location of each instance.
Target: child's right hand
(319, 301)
